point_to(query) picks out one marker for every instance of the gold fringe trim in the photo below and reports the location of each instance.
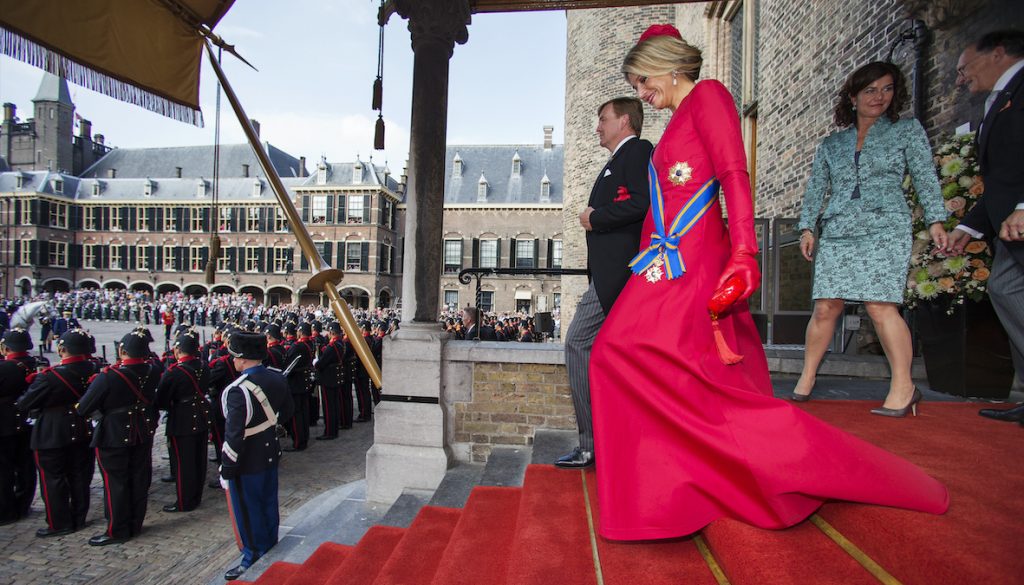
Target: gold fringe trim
(28, 51)
(851, 549)
(709, 558)
(593, 534)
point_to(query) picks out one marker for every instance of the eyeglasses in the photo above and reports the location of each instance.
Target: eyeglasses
(961, 71)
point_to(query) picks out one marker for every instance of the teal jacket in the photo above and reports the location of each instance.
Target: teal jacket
(890, 150)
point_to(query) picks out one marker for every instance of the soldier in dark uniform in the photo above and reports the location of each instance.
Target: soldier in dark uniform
(308, 337)
(253, 404)
(182, 393)
(210, 348)
(290, 329)
(361, 378)
(301, 353)
(330, 369)
(60, 437)
(123, 397)
(275, 349)
(17, 470)
(222, 373)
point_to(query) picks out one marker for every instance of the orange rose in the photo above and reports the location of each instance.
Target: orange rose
(977, 188)
(981, 273)
(946, 283)
(978, 263)
(976, 247)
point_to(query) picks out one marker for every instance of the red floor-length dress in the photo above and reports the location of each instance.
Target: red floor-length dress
(681, 438)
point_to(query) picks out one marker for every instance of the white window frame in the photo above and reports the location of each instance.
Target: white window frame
(195, 259)
(280, 221)
(170, 221)
(222, 260)
(252, 219)
(142, 220)
(445, 263)
(225, 219)
(557, 254)
(116, 261)
(59, 215)
(26, 254)
(115, 219)
(168, 258)
(357, 264)
(26, 212)
(529, 256)
(351, 216)
(281, 260)
(482, 256)
(141, 257)
(448, 293)
(89, 256)
(251, 260)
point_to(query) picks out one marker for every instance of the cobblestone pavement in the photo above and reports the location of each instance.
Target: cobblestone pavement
(182, 548)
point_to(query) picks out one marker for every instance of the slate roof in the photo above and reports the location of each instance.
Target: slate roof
(344, 174)
(53, 89)
(495, 164)
(195, 162)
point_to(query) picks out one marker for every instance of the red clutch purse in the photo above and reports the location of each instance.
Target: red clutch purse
(720, 303)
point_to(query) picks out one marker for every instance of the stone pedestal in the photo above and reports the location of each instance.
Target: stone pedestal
(409, 448)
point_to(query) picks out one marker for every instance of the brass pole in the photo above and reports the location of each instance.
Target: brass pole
(325, 278)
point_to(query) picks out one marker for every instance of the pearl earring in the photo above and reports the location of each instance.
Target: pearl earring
(674, 80)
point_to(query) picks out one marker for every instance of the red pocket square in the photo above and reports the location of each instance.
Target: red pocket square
(1006, 106)
(623, 195)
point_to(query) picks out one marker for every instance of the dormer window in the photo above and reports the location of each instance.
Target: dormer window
(517, 165)
(357, 173)
(147, 188)
(456, 166)
(257, 188)
(545, 188)
(321, 172)
(481, 189)
(58, 186)
(201, 188)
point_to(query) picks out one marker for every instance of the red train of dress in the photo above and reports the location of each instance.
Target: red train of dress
(682, 439)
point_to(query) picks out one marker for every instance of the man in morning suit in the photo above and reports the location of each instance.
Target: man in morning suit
(60, 436)
(123, 398)
(994, 65)
(252, 406)
(613, 219)
(182, 393)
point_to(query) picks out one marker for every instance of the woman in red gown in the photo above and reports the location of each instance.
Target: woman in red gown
(683, 438)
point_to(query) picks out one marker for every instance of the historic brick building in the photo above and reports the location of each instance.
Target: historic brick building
(503, 209)
(142, 219)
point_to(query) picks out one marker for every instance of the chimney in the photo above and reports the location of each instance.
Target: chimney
(85, 129)
(9, 111)
(547, 137)
(302, 166)
(98, 139)
(256, 126)
(245, 170)
(111, 173)
(178, 171)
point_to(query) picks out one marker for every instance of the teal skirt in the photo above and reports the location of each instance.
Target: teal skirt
(863, 257)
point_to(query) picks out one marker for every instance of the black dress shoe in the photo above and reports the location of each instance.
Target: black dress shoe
(47, 532)
(364, 419)
(167, 479)
(1015, 414)
(326, 437)
(232, 574)
(173, 507)
(578, 459)
(104, 540)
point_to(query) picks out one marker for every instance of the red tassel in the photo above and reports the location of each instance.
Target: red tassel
(727, 355)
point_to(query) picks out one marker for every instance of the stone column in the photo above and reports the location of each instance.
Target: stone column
(409, 449)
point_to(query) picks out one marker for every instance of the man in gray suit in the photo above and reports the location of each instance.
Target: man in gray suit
(613, 219)
(994, 65)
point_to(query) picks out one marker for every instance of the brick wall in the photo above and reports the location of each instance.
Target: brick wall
(510, 401)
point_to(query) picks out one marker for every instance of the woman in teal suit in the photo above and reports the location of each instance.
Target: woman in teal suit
(866, 234)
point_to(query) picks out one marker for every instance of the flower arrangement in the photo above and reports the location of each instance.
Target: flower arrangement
(935, 276)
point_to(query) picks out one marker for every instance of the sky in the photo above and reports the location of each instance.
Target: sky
(316, 64)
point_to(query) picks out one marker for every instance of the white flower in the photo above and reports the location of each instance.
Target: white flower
(966, 149)
(966, 181)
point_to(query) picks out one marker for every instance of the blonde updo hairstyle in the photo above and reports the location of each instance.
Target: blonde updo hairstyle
(661, 55)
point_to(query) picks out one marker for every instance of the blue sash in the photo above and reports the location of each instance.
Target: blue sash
(665, 245)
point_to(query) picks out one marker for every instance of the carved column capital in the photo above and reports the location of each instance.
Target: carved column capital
(436, 22)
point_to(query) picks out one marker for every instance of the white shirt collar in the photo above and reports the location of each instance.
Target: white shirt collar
(627, 139)
(1007, 75)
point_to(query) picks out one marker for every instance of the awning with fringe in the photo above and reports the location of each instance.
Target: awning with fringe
(144, 52)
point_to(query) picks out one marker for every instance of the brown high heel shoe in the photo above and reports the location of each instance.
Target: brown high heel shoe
(900, 412)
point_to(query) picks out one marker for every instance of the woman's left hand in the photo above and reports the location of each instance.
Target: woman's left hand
(939, 236)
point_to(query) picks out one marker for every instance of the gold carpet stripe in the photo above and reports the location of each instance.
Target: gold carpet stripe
(593, 535)
(709, 558)
(851, 549)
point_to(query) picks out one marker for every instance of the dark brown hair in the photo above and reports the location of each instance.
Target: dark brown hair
(1012, 41)
(863, 77)
(627, 106)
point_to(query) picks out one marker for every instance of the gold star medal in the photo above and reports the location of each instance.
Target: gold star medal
(680, 173)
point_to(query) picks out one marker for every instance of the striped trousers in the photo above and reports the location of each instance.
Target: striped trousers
(579, 339)
(1006, 289)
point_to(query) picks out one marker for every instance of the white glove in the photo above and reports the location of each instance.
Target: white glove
(224, 483)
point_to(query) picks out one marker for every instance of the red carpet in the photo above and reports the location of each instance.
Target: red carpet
(540, 534)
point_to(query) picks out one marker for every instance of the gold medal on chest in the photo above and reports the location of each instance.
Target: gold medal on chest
(680, 173)
(654, 273)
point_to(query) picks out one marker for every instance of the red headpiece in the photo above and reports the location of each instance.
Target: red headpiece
(656, 30)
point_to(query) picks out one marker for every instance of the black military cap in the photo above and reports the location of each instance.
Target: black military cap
(149, 336)
(136, 344)
(334, 327)
(305, 329)
(187, 342)
(77, 342)
(248, 346)
(250, 326)
(18, 339)
(318, 326)
(274, 330)
(290, 328)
